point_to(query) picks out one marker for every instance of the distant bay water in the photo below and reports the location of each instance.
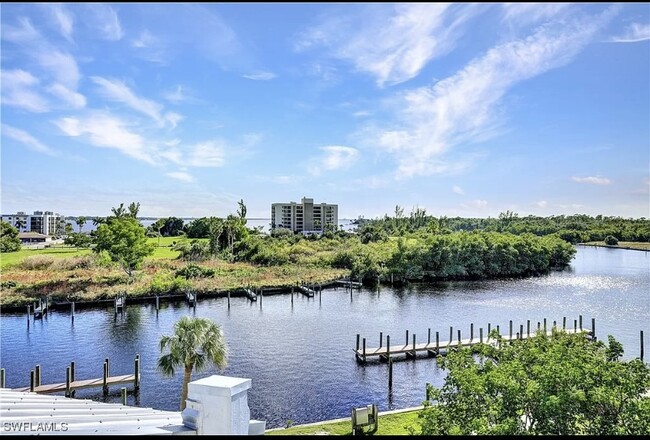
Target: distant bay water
(265, 223)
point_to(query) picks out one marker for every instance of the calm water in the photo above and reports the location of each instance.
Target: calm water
(300, 358)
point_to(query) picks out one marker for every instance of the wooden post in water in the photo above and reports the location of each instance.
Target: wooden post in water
(407, 338)
(471, 332)
(388, 347)
(459, 338)
(641, 340)
(358, 341)
(451, 335)
(157, 303)
(554, 328)
(31, 381)
(292, 297)
(67, 382)
(28, 315)
(426, 390)
(489, 329)
(37, 376)
(136, 380)
(390, 374)
(124, 396)
(437, 341)
(364, 350)
(528, 327)
(498, 330)
(72, 311)
(544, 325)
(413, 345)
(72, 374)
(2, 377)
(511, 329)
(575, 326)
(105, 377)
(381, 339)
(428, 337)
(564, 323)
(593, 328)
(521, 331)
(480, 333)
(539, 326)
(580, 321)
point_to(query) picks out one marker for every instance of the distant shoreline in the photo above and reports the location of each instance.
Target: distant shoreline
(629, 245)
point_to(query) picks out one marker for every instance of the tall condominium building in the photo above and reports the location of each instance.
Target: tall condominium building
(305, 217)
(43, 222)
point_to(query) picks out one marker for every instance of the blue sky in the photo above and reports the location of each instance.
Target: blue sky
(461, 109)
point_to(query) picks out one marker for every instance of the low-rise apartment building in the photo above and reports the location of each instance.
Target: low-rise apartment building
(42, 222)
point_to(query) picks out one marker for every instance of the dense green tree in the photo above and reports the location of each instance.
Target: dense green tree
(196, 343)
(124, 239)
(551, 385)
(611, 241)
(9, 241)
(78, 240)
(134, 209)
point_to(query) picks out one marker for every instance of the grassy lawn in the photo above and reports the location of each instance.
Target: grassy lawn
(11, 258)
(390, 424)
(644, 246)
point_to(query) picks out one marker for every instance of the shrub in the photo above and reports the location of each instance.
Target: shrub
(194, 271)
(37, 262)
(611, 240)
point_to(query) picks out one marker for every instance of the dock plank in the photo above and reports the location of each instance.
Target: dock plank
(80, 384)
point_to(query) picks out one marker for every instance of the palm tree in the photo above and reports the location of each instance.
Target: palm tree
(196, 342)
(20, 224)
(81, 221)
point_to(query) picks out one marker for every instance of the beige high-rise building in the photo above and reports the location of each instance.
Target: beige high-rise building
(306, 216)
(43, 222)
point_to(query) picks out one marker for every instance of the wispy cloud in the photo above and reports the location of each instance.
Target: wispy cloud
(392, 43)
(116, 90)
(334, 157)
(18, 91)
(209, 154)
(474, 204)
(27, 139)
(104, 20)
(524, 14)
(177, 95)
(541, 204)
(633, 33)
(464, 107)
(22, 33)
(183, 176)
(104, 130)
(592, 180)
(72, 98)
(260, 76)
(458, 190)
(63, 18)
(281, 180)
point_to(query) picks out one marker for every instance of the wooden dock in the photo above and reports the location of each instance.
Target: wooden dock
(250, 294)
(437, 347)
(349, 284)
(309, 293)
(71, 385)
(120, 302)
(41, 309)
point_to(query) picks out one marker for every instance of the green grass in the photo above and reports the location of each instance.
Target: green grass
(8, 259)
(391, 424)
(638, 245)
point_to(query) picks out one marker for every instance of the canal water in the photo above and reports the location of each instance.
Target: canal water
(300, 357)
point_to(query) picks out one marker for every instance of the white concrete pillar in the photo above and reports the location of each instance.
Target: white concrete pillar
(219, 405)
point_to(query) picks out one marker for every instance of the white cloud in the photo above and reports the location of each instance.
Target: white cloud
(107, 131)
(176, 96)
(62, 65)
(465, 106)
(18, 91)
(206, 154)
(392, 43)
(146, 39)
(334, 157)
(25, 138)
(542, 203)
(522, 14)
(592, 180)
(260, 76)
(22, 33)
(633, 33)
(475, 204)
(458, 190)
(281, 180)
(361, 114)
(104, 20)
(63, 18)
(73, 99)
(116, 90)
(182, 176)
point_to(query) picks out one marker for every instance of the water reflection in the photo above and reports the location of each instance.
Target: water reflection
(298, 351)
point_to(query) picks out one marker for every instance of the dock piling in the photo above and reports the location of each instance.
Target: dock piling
(528, 327)
(364, 350)
(388, 347)
(72, 311)
(641, 341)
(564, 323)
(390, 374)
(580, 321)
(459, 339)
(593, 328)
(136, 373)
(451, 335)
(480, 333)
(428, 337)
(358, 340)
(575, 325)
(124, 396)
(68, 381)
(31, 381)
(381, 339)
(544, 325)
(471, 332)
(2, 377)
(489, 329)
(521, 331)
(511, 329)
(407, 338)
(37, 375)
(104, 381)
